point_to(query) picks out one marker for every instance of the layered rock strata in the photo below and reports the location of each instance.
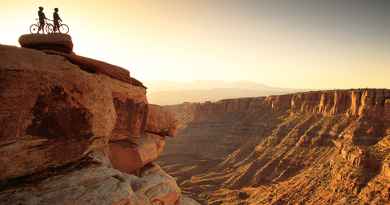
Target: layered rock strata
(72, 136)
(323, 147)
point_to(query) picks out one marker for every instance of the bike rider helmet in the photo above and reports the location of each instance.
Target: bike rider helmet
(56, 9)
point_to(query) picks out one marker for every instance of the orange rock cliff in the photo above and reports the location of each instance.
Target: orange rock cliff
(320, 147)
(75, 130)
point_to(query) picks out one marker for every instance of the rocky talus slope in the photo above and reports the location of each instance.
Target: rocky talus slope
(323, 147)
(78, 131)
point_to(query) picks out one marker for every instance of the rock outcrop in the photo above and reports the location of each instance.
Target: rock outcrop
(98, 183)
(139, 151)
(323, 147)
(62, 45)
(58, 42)
(161, 121)
(78, 131)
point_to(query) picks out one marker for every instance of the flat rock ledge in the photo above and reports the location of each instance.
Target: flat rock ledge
(61, 44)
(58, 42)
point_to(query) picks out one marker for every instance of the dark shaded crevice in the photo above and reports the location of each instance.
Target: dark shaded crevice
(56, 115)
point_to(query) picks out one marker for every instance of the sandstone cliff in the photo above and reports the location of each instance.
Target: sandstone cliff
(78, 131)
(324, 147)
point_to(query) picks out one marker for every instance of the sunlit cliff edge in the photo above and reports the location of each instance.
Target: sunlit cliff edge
(75, 130)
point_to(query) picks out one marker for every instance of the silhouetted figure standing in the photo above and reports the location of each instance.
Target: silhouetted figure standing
(42, 19)
(56, 19)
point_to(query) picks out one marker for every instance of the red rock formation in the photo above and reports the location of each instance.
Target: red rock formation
(131, 116)
(160, 121)
(61, 44)
(48, 111)
(306, 148)
(73, 136)
(348, 102)
(95, 66)
(55, 41)
(133, 154)
(158, 186)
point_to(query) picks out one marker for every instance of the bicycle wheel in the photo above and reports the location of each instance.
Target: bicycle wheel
(34, 28)
(49, 28)
(64, 28)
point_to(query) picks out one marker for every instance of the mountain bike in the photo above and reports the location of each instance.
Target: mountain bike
(47, 28)
(62, 28)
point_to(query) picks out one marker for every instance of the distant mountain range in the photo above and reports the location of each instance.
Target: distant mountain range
(169, 92)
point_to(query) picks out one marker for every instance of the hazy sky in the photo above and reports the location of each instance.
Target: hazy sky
(296, 44)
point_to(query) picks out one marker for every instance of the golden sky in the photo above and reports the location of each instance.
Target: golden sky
(294, 45)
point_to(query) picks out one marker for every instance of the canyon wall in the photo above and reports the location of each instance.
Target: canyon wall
(75, 130)
(320, 147)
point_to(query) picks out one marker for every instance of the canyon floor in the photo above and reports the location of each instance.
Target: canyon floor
(325, 147)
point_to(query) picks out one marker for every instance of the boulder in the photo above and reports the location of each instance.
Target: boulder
(187, 201)
(95, 182)
(158, 186)
(134, 153)
(161, 121)
(56, 41)
(92, 182)
(88, 186)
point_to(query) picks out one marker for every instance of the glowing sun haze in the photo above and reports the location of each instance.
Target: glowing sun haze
(296, 44)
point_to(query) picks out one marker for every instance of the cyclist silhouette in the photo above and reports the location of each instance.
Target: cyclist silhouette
(42, 19)
(56, 19)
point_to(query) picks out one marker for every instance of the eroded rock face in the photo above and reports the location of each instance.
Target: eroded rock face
(187, 201)
(131, 117)
(158, 186)
(306, 148)
(161, 121)
(49, 113)
(73, 131)
(89, 185)
(56, 115)
(134, 153)
(97, 183)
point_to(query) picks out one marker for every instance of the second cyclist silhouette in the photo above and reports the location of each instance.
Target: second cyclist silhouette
(57, 20)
